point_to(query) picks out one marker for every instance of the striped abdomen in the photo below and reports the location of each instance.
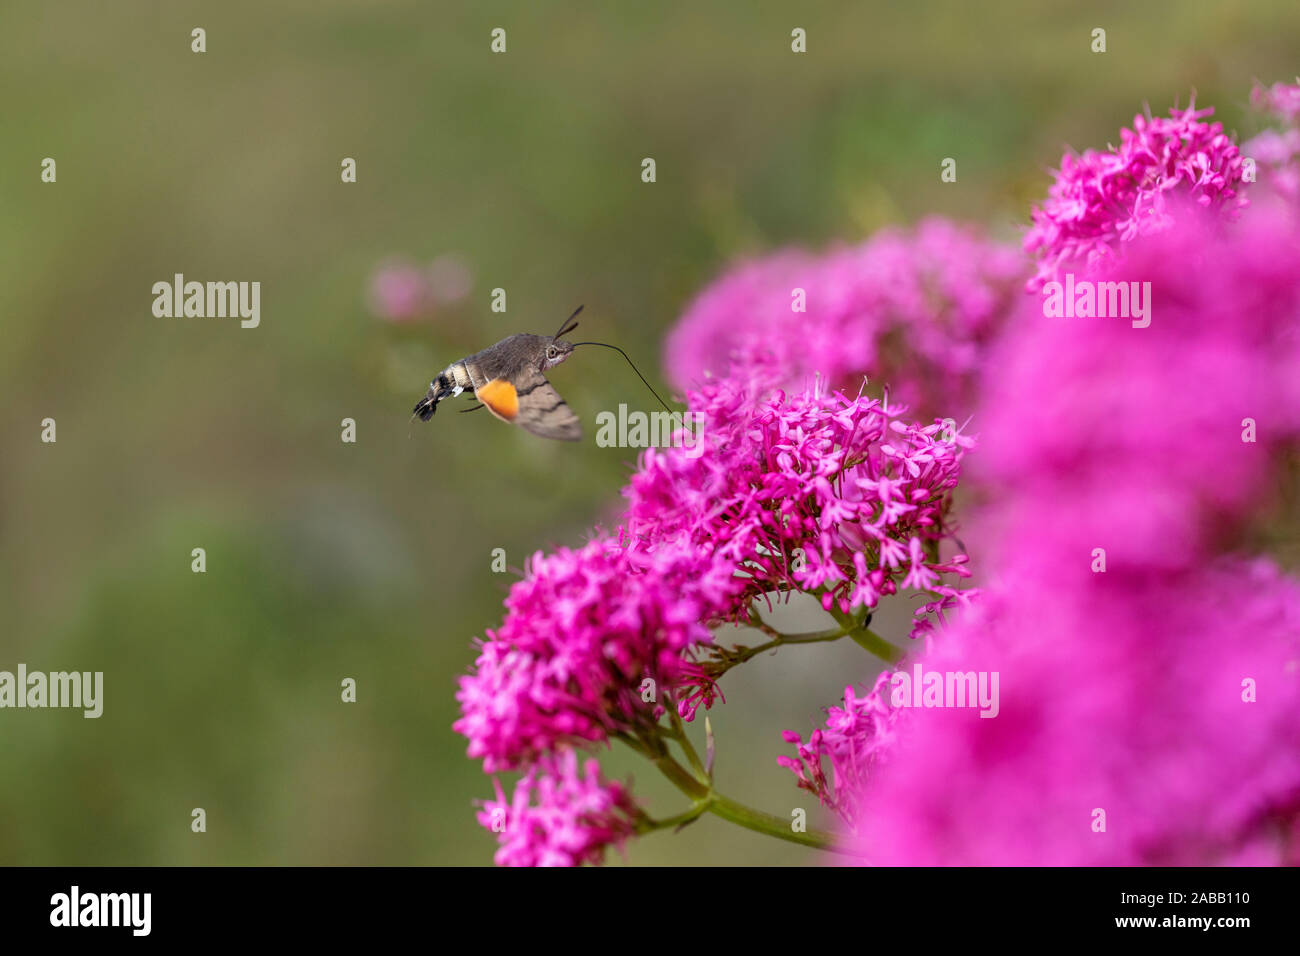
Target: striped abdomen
(451, 381)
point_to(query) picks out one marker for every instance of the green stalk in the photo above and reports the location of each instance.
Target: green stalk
(741, 815)
(868, 639)
(678, 733)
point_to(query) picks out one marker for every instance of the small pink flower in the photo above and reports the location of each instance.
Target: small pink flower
(855, 739)
(558, 816)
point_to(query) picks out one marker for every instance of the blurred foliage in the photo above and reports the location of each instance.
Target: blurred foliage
(328, 560)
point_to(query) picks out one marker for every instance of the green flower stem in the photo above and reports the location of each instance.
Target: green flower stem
(647, 825)
(682, 779)
(761, 822)
(739, 655)
(779, 639)
(868, 639)
(850, 626)
(738, 813)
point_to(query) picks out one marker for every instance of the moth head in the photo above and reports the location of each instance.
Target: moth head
(557, 350)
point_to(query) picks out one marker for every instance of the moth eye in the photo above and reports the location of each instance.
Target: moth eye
(551, 351)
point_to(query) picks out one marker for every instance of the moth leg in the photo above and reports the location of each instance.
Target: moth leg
(473, 408)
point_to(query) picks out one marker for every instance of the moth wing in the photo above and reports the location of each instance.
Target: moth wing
(542, 411)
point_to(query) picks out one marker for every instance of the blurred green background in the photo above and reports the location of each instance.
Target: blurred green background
(372, 560)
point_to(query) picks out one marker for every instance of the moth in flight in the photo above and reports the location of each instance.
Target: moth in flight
(509, 380)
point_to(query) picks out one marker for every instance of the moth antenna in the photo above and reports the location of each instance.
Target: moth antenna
(565, 327)
(634, 368)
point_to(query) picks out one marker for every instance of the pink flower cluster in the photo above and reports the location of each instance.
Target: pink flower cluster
(856, 737)
(862, 496)
(583, 629)
(1149, 661)
(558, 816)
(1150, 682)
(911, 311)
(807, 492)
(1101, 200)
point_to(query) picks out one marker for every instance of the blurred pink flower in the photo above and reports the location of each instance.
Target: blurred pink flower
(400, 292)
(1280, 99)
(1276, 155)
(1277, 152)
(911, 311)
(559, 817)
(1102, 200)
(1274, 148)
(1122, 689)
(1120, 693)
(1140, 430)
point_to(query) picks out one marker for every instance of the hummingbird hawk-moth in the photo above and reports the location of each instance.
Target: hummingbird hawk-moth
(509, 380)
